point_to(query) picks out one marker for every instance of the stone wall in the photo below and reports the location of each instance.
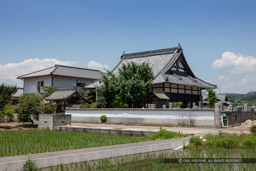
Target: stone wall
(50, 120)
(236, 118)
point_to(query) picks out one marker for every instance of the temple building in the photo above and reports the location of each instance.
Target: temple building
(173, 81)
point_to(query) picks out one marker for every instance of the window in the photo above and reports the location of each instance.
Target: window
(39, 85)
(80, 84)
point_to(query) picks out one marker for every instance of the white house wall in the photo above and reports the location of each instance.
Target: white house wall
(69, 82)
(30, 84)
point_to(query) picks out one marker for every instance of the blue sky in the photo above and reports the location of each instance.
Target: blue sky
(96, 33)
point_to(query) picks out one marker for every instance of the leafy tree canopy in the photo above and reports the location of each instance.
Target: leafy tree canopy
(131, 84)
(212, 99)
(29, 105)
(6, 92)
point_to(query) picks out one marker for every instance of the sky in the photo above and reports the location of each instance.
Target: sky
(217, 36)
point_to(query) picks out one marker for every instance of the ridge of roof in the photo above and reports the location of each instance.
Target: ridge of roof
(149, 53)
(57, 65)
(20, 77)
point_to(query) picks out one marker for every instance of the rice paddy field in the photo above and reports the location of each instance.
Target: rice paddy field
(156, 161)
(220, 146)
(14, 143)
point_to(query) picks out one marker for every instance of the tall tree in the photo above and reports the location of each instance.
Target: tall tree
(6, 92)
(29, 105)
(134, 83)
(131, 84)
(212, 99)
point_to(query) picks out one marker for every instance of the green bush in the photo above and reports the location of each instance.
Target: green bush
(253, 130)
(88, 105)
(49, 108)
(29, 166)
(103, 118)
(177, 104)
(249, 141)
(164, 134)
(195, 141)
(228, 142)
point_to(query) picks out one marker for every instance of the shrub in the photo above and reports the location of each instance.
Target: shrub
(164, 134)
(87, 105)
(249, 141)
(195, 141)
(253, 130)
(103, 118)
(228, 142)
(177, 104)
(29, 166)
(49, 108)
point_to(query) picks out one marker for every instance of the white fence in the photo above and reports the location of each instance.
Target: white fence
(190, 117)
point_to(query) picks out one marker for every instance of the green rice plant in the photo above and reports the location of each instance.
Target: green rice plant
(40, 141)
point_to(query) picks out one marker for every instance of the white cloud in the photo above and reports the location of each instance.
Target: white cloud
(10, 71)
(235, 63)
(96, 65)
(238, 72)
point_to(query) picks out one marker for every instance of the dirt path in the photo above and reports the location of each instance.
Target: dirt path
(14, 126)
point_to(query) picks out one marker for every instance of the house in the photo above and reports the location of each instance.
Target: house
(63, 77)
(173, 81)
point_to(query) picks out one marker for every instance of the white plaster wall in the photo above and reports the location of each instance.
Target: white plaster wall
(201, 118)
(30, 84)
(68, 82)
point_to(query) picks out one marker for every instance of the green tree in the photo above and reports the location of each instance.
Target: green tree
(212, 99)
(49, 90)
(131, 84)
(29, 105)
(108, 90)
(6, 92)
(118, 103)
(8, 111)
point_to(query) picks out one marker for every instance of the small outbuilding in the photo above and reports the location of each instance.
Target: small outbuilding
(65, 97)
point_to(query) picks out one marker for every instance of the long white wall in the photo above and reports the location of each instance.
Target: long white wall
(157, 116)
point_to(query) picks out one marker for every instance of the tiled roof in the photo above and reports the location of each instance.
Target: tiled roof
(62, 94)
(160, 61)
(149, 53)
(68, 71)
